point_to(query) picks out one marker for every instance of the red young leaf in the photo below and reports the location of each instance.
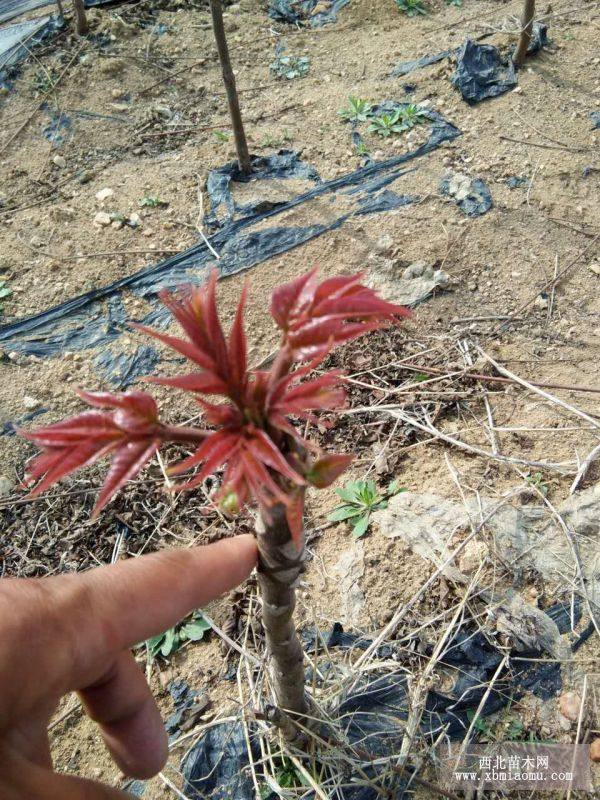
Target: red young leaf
(262, 454)
(327, 469)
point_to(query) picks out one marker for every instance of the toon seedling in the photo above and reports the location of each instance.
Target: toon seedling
(265, 458)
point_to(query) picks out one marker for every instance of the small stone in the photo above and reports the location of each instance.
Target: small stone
(147, 232)
(135, 220)
(103, 219)
(85, 176)
(441, 278)
(36, 241)
(472, 557)
(320, 8)
(116, 94)
(104, 194)
(30, 403)
(59, 161)
(595, 268)
(542, 301)
(6, 487)
(112, 66)
(569, 705)
(595, 750)
(473, 287)
(384, 244)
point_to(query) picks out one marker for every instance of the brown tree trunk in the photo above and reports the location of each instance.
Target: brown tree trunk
(241, 145)
(81, 23)
(280, 567)
(526, 29)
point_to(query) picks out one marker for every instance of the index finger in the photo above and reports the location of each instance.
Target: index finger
(60, 634)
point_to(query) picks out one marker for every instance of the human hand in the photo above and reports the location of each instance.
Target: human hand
(73, 633)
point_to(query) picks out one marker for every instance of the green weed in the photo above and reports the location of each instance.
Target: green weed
(360, 499)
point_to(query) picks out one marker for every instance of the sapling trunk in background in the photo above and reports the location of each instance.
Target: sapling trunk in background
(81, 23)
(526, 30)
(255, 438)
(241, 145)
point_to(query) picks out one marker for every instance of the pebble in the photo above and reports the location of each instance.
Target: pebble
(85, 176)
(472, 557)
(541, 301)
(7, 486)
(135, 219)
(59, 161)
(569, 705)
(104, 194)
(384, 244)
(102, 218)
(595, 268)
(595, 750)
(30, 403)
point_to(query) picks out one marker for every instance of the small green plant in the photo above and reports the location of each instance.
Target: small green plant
(481, 725)
(221, 136)
(191, 629)
(536, 479)
(357, 110)
(361, 149)
(153, 202)
(43, 82)
(515, 730)
(4, 293)
(290, 67)
(361, 498)
(411, 8)
(398, 121)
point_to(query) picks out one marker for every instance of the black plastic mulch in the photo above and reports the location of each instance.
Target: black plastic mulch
(301, 12)
(97, 317)
(217, 767)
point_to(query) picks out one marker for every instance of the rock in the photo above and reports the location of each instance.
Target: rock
(595, 750)
(135, 220)
(30, 403)
(6, 487)
(85, 176)
(36, 241)
(112, 66)
(62, 213)
(104, 194)
(351, 568)
(569, 705)
(321, 8)
(103, 219)
(59, 161)
(541, 301)
(384, 244)
(472, 556)
(595, 268)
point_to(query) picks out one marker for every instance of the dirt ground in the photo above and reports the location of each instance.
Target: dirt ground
(150, 71)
